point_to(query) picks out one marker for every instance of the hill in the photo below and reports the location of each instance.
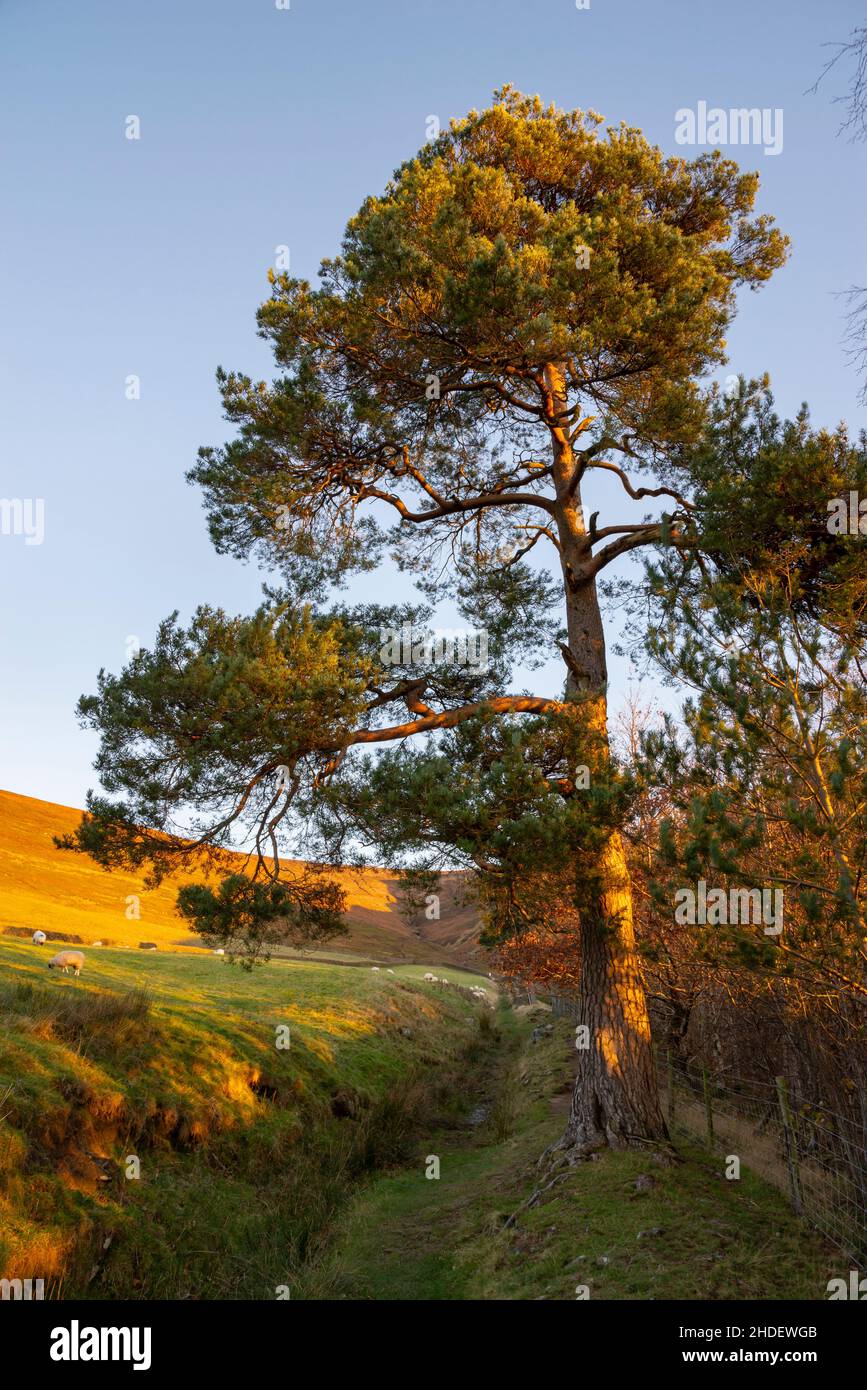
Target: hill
(60, 892)
(156, 1143)
(250, 1103)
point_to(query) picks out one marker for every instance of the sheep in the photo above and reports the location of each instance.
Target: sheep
(389, 972)
(39, 938)
(375, 969)
(430, 979)
(67, 960)
(219, 951)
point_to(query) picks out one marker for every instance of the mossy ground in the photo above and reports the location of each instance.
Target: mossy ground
(617, 1227)
(244, 1148)
(306, 1167)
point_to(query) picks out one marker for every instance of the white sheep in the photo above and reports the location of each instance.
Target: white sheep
(375, 969)
(67, 960)
(39, 938)
(219, 951)
(430, 979)
(389, 972)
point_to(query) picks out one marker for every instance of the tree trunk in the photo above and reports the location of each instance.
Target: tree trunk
(616, 1097)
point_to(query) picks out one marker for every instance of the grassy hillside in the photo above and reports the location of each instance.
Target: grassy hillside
(155, 1142)
(245, 1149)
(496, 1227)
(56, 891)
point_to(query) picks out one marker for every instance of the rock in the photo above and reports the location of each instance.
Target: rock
(652, 1231)
(643, 1183)
(344, 1104)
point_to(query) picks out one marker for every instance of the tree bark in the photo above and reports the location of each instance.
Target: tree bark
(616, 1096)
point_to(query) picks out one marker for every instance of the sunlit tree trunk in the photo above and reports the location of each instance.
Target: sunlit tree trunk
(616, 1097)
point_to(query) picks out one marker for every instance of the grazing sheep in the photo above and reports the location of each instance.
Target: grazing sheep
(97, 943)
(430, 979)
(39, 938)
(375, 969)
(389, 972)
(67, 960)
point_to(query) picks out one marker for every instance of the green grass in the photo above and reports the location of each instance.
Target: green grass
(172, 1059)
(621, 1226)
(306, 1167)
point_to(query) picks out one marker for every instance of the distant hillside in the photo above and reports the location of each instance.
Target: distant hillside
(56, 891)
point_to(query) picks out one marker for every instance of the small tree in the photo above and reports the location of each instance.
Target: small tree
(249, 918)
(530, 301)
(770, 631)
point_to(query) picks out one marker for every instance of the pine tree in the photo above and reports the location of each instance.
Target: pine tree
(530, 300)
(767, 624)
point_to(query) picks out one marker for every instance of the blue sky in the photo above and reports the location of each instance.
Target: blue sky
(262, 127)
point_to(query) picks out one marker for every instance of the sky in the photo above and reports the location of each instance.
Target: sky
(262, 126)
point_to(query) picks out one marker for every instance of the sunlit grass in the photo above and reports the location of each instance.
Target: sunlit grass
(617, 1228)
(55, 890)
(173, 1058)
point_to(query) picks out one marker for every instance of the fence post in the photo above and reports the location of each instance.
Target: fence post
(708, 1106)
(670, 1089)
(789, 1140)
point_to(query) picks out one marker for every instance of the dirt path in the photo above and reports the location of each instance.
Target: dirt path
(621, 1226)
(403, 1237)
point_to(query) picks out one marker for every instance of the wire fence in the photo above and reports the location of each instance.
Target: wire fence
(816, 1156)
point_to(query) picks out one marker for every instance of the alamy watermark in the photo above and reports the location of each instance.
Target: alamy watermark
(25, 1290)
(23, 516)
(77, 1343)
(738, 126)
(855, 1289)
(409, 646)
(737, 907)
(847, 516)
